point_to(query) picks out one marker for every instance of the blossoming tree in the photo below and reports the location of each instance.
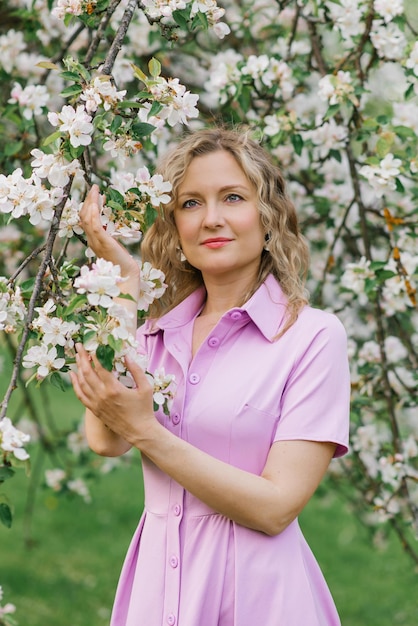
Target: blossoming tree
(93, 91)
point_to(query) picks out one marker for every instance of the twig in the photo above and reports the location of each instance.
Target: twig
(28, 259)
(120, 36)
(100, 31)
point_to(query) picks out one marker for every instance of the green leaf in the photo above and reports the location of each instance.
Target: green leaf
(6, 472)
(5, 514)
(116, 344)
(200, 20)
(106, 355)
(383, 147)
(75, 303)
(90, 334)
(13, 148)
(51, 138)
(47, 65)
(297, 143)
(181, 18)
(72, 90)
(142, 129)
(68, 75)
(126, 296)
(131, 104)
(27, 285)
(332, 110)
(57, 381)
(156, 107)
(154, 67)
(138, 73)
(399, 186)
(410, 92)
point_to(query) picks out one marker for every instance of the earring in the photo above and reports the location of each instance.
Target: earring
(267, 240)
(181, 254)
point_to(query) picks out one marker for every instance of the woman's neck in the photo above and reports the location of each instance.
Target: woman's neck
(224, 296)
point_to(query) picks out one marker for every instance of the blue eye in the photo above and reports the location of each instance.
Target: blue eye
(233, 197)
(189, 204)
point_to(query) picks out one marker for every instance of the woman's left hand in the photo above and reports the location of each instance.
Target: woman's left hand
(127, 412)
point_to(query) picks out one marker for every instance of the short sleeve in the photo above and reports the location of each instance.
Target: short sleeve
(315, 403)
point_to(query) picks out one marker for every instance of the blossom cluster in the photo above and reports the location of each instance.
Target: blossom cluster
(12, 440)
(20, 196)
(12, 307)
(209, 8)
(105, 330)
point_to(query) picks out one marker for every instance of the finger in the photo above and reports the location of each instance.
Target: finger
(75, 380)
(137, 372)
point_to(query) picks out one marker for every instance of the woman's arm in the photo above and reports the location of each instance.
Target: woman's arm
(267, 503)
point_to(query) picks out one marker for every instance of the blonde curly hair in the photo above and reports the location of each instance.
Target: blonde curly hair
(287, 256)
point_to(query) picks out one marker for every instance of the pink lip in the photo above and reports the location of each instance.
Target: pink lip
(216, 242)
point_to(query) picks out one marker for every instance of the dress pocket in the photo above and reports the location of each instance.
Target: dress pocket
(252, 433)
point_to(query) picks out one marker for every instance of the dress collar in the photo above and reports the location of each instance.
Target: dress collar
(266, 308)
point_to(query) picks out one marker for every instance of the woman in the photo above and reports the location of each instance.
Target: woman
(261, 404)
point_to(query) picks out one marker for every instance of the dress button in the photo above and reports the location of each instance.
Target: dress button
(213, 342)
(176, 510)
(236, 315)
(174, 561)
(176, 418)
(194, 378)
(171, 619)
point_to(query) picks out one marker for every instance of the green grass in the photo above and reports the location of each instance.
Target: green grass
(69, 576)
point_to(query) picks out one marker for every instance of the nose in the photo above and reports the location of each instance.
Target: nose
(213, 217)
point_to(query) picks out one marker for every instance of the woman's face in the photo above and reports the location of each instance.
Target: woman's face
(217, 218)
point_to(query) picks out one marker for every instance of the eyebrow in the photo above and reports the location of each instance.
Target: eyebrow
(221, 189)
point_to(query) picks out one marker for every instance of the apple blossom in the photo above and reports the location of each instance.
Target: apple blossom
(154, 186)
(100, 282)
(152, 286)
(12, 440)
(336, 88)
(76, 122)
(32, 99)
(388, 9)
(44, 358)
(388, 40)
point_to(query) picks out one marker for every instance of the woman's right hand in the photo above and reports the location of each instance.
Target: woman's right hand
(102, 243)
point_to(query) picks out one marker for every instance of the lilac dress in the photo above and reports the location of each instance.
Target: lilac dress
(187, 565)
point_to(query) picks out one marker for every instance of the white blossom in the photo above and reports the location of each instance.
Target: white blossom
(336, 88)
(54, 478)
(54, 167)
(154, 186)
(412, 60)
(382, 177)
(76, 122)
(64, 7)
(356, 274)
(79, 487)
(13, 440)
(12, 44)
(388, 40)
(12, 307)
(152, 286)
(101, 92)
(32, 99)
(347, 16)
(388, 9)
(101, 282)
(44, 358)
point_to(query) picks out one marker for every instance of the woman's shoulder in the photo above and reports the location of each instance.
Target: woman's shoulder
(312, 321)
